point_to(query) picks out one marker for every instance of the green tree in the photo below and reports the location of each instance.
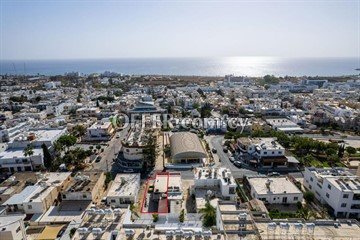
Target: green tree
(98, 147)
(48, 158)
(79, 130)
(182, 216)
(29, 150)
(150, 151)
(309, 196)
(350, 150)
(155, 217)
(305, 213)
(66, 141)
(208, 215)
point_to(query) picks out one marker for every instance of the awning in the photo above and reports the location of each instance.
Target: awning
(50, 232)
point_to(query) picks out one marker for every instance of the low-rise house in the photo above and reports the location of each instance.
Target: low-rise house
(39, 197)
(85, 186)
(219, 180)
(267, 152)
(15, 184)
(284, 125)
(14, 160)
(12, 227)
(101, 131)
(274, 190)
(124, 190)
(88, 112)
(163, 194)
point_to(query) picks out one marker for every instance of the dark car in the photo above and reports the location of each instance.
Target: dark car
(237, 164)
(274, 174)
(98, 159)
(225, 150)
(214, 150)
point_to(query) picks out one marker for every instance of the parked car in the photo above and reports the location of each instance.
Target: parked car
(232, 159)
(237, 164)
(273, 174)
(225, 150)
(214, 150)
(98, 159)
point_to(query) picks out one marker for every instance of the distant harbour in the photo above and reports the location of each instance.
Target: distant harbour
(244, 66)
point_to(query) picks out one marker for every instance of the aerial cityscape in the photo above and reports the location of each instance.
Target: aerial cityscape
(101, 138)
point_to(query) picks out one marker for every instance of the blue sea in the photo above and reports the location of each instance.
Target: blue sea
(242, 66)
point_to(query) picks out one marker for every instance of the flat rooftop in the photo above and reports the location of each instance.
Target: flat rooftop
(83, 182)
(278, 122)
(277, 185)
(344, 231)
(263, 143)
(18, 153)
(125, 185)
(17, 182)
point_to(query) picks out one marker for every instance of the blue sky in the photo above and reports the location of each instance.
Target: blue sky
(121, 29)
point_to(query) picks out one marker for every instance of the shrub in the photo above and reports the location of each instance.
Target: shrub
(309, 196)
(155, 217)
(182, 216)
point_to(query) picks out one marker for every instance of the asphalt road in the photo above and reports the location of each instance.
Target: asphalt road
(111, 151)
(216, 142)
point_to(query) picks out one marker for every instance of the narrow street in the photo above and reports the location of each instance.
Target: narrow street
(110, 152)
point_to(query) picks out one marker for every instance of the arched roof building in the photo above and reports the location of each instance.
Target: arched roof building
(186, 148)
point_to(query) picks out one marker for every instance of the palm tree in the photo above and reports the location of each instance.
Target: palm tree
(305, 213)
(208, 215)
(28, 152)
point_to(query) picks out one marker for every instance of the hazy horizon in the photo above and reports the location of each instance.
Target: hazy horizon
(79, 30)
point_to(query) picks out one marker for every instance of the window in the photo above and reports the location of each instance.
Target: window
(265, 152)
(296, 198)
(311, 179)
(279, 152)
(113, 200)
(29, 207)
(327, 195)
(343, 205)
(273, 152)
(356, 196)
(84, 195)
(64, 196)
(232, 190)
(346, 195)
(310, 186)
(329, 186)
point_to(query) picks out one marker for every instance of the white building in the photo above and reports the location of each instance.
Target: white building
(12, 227)
(284, 125)
(101, 131)
(52, 85)
(38, 198)
(337, 188)
(124, 190)
(14, 160)
(37, 137)
(265, 152)
(220, 178)
(274, 190)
